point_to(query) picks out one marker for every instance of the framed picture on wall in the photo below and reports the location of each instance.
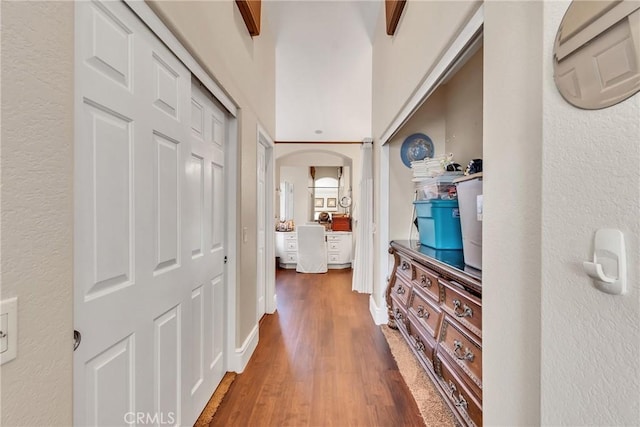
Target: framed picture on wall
(331, 202)
(319, 203)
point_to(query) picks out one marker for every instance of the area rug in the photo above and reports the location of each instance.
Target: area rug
(209, 411)
(432, 408)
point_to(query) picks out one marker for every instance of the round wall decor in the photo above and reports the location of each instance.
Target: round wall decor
(416, 147)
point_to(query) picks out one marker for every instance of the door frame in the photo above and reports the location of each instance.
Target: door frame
(266, 141)
(142, 10)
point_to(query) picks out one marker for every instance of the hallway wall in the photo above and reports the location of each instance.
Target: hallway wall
(512, 156)
(37, 209)
(590, 180)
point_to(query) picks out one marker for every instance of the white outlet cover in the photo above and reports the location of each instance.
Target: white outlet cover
(10, 308)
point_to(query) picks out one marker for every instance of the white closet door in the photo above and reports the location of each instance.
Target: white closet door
(148, 236)
(206, 213)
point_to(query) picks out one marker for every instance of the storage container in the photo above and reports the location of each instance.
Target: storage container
(341, 222)
(439, 223)
(439, 187)
(470, 200)
(453, 257)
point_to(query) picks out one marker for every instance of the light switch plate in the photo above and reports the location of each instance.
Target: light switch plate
(9, 308)
(4, 337)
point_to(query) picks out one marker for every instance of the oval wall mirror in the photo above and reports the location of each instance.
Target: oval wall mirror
(597, 53)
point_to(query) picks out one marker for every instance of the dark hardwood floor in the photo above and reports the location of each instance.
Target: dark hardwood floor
(320, 361)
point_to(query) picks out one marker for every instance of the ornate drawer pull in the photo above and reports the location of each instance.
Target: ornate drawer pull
(404, 266)
(401, 290)
(460, 402)
(419, 345)
(425, 281)
(468, 355)
(452, 387)
(422, 313)
(398, 314)
(466, 310)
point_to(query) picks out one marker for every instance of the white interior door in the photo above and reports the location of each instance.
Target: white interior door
(261, 274)
(206, 208)
(149, 241)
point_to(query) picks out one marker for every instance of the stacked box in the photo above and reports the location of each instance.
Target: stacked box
(439, 223)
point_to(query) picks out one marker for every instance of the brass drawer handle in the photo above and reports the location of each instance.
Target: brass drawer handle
(468, 355)
(398, 314)
(422, 313)
(459, 402)
(425, 281)
(419, 345)
(404, 266)
(466, 310)
(401, 290)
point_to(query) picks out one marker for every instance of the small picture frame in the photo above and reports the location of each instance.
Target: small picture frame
(319, 202)
(332, 202)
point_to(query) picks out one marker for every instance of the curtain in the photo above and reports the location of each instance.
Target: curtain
(363, 261)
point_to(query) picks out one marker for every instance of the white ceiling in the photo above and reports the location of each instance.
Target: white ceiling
(323, 68)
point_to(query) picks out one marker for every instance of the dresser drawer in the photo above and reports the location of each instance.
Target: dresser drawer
(333, 258)
(399, 312)
(426, 311)
(461, 305)
(290, 236)
(427, 280)
(291, 245)
(334, 237)
(334, 245)
(291, 257)
(464, 350)
(423, 344)
(401, 290)
(467, 405)
(405, 268)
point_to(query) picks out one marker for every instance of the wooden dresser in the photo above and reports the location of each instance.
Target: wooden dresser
(436, 304)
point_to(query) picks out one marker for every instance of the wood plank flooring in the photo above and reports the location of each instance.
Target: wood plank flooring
(320, 361)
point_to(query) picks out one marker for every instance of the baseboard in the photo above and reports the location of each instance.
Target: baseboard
(241, 356)
(379, 314)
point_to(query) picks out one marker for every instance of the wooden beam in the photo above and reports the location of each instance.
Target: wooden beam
(250, 11)
(393, 10)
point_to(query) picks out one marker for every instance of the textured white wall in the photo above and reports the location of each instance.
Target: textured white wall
(323, 79)
(214, 32)
(37, 209)
(590, 180)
